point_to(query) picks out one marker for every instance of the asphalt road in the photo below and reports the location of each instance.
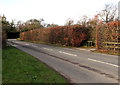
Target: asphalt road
(78, 66)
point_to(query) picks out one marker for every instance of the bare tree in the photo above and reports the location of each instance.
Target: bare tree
(109, 13)
(69, 22)
(83, 20)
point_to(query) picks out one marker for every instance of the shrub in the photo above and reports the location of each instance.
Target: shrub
(64, 35)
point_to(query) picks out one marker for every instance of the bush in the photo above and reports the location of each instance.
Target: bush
(64, 35)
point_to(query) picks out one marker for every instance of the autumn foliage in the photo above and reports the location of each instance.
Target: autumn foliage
(63, 35)
(111, 31)
(108, 32)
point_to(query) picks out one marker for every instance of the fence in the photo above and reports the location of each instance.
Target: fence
(112, 46)
(108, 36)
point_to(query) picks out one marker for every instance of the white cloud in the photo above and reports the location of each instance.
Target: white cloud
(53, 11)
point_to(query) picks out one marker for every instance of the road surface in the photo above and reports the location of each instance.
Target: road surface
(78, 66)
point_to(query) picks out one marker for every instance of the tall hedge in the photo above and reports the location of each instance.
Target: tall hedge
(64, 35)
(109, 32)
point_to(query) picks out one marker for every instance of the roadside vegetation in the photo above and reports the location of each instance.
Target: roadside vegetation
(107, 52)
(101, 31)
(72, 35)
(19, 67)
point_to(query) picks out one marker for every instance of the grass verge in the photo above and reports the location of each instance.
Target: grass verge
(19, 67)
(85, 47)
(107, 52)
(57, 45)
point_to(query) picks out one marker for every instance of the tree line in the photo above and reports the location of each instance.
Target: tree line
(108, 14)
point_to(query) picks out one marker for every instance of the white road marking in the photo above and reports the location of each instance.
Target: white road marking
(26, 44)
(34, 46)
(68, 48)
(67, 53)
(48, 49)
(103, 62)
(14, 45)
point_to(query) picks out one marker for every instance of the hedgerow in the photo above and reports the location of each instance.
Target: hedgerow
(63, 35)
(109, 32)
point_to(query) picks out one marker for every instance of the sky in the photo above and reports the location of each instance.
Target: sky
(52, 11)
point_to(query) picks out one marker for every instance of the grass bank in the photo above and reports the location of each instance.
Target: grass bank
(19, 67)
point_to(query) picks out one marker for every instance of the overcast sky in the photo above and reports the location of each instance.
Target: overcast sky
(52, 11)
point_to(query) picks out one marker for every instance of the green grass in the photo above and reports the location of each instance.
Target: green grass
(19, 67)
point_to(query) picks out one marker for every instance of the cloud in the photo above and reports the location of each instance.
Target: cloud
(53, 11)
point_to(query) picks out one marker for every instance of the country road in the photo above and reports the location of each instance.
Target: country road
(76, 65)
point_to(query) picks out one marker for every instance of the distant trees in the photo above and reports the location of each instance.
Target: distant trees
(109, 13)
(6, 25)
(83, 20)
(52, 25)
(69, 22)
(33, 24)
(30, 24)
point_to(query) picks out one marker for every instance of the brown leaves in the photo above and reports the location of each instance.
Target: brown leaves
(72, 35)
